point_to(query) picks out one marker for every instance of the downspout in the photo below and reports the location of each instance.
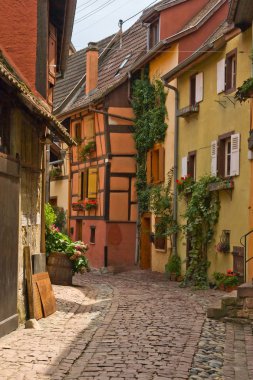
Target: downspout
(175, 195)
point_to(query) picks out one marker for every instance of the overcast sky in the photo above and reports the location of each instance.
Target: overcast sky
(96, 19)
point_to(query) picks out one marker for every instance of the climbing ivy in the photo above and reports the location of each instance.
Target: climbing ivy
(161, 204)
(148, 103)
(201, 216)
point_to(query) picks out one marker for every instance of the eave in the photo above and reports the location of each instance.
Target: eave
(34, 104)
(241, 13)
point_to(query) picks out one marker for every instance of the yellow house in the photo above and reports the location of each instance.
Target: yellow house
(213, 133)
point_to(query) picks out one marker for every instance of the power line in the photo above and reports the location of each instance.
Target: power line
(83, 8)
(87, 2)
(95, 11)
(136, 14)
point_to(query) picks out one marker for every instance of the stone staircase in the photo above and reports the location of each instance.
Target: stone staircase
(237, 304)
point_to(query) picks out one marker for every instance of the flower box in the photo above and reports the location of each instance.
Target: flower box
(90, 204)
(78, 207)
(223, 185)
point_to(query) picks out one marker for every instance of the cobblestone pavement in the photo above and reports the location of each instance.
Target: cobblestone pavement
(134, 325)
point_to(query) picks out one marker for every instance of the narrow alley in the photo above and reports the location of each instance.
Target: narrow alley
(133, 325)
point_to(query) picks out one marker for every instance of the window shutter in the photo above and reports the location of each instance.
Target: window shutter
(85, 183)
(149, 161)
(161, 164)
(92, 183)
(214, 158)
(199, 87)
(235, 154)
(79, 185)
(89, 129)
(221, 76)
(184, 166)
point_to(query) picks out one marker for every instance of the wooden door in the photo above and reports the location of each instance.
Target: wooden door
(145, 251)
(9, 232)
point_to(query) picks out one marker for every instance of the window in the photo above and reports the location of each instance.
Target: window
(196, 88)
(154, 34)
(160, 238)
(189, 165)
(155, 165)
(88, 183)
(226, 73)
(123, 64)
(78, 131)
(230, 71)
(92, 234)
(79, 230)
(225, 155)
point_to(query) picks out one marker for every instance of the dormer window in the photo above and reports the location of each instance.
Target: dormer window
(123, 64)
(154, 34)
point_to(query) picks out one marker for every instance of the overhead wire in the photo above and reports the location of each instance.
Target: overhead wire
(82, 6)
(94, 11)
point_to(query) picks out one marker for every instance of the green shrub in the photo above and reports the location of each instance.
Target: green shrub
(174, 265)
(50, 216)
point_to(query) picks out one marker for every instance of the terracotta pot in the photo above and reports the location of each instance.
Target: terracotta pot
(173, 277)
(230, 288)
(221, 287)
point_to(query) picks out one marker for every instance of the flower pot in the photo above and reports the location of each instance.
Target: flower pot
(229, 289)
(173, 277)
(221, 287)
(179, 278)
(59, 268)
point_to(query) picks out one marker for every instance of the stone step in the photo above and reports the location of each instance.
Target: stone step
(216, 311)
(229, 299)
(245, 290)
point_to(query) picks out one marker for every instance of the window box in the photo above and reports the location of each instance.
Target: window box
(78, 206)
(222, 185)
(187, 111)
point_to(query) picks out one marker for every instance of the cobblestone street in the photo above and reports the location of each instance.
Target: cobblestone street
(133, 325)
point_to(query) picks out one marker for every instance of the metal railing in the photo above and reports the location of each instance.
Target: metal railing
(243, 242)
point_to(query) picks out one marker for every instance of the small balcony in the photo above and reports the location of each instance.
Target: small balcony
(188, 111)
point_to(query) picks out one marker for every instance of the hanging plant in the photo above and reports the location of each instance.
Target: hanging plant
(245, 91)
(86, 151)
(201, 216)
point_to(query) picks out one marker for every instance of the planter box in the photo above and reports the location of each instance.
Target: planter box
(78, 207)
(59, 268)
(223, 185)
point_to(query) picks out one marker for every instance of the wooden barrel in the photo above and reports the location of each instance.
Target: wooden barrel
(59, 268)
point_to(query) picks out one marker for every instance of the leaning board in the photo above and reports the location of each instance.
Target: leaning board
(44, 299)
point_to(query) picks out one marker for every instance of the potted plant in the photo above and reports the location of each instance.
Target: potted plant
(227, 282)
(245, 91)
(86, 151)
(55, 172)
(184, 184)
(223, 247)
(78, 206)
(173, 267)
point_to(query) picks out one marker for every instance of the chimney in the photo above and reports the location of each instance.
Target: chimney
(91, 67)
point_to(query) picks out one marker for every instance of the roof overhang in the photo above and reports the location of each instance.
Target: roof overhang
(241, 13)
(35, 105)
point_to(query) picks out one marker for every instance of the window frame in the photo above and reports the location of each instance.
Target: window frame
(154, 33)
(222, 156)
(156, 160)
(92, 235)
(230, 75)
(160, 239)
(191, 157)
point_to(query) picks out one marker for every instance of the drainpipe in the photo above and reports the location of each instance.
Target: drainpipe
(175, 197)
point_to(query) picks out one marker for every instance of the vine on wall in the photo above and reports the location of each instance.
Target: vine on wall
(149, 107)
(201, 215)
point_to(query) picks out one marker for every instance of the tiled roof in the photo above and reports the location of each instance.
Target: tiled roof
(75, 72)
(36, 105)
(132, 45)
(212, 4)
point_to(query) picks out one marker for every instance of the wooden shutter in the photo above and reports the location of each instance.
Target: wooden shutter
(149, 161)
(161, 164)
(184, 166)
(235, 154)
(79, 184)
(52, 53)
(89, 128)
(199, 88)
(85, 184)
(221, 76)
(214, 158)
(92, 183)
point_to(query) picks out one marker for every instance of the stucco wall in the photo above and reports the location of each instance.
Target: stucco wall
(158, 67)
(198, 131)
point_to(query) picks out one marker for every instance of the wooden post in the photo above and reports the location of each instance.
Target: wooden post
(28, 273)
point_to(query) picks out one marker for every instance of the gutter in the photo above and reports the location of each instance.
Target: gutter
(175, 194)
